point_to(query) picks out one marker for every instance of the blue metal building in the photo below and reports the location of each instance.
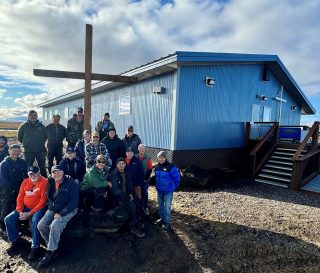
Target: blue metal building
(195, 104)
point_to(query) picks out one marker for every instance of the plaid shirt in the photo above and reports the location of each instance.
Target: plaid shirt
(92, 152)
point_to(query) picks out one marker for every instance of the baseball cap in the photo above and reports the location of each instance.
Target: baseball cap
(33, 169)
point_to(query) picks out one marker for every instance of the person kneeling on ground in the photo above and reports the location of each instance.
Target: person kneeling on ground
(95, 185)
(167, 181)
(31, 202)
(63, 196)
(123, 192)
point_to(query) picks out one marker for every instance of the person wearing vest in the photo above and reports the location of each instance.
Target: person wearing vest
(147, 167)
(13, 170)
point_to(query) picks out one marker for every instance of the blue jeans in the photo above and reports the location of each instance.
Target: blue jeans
(144, 194)
(51, 229)
(164, 205)
(11, 225)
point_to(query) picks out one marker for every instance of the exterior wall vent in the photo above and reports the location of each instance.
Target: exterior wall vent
(158, 90)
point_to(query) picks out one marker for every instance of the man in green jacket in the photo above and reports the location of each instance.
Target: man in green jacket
(95, 187)
(33, 135)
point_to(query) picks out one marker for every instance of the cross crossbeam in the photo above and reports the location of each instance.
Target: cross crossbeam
(88, 76)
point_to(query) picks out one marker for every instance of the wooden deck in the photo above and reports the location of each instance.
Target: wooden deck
(313, 186)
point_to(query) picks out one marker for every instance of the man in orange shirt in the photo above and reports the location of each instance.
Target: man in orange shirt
(31, 202)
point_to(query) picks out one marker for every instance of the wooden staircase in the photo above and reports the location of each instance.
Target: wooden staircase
(278, 169)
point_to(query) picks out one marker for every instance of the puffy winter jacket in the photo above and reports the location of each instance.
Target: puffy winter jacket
(167, 177)
(94, 179)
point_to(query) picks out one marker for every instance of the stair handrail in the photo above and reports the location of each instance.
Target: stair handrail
(313, 132)
(253, 153)
(264, 139)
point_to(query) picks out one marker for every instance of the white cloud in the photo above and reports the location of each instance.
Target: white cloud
(2, 91)
(51, 35)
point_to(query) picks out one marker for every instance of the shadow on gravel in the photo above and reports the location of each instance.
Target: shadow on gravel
(230, 248)
(235, 182)
(196, 246)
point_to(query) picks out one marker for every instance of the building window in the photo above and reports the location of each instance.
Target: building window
(45, 115)
(124, 105)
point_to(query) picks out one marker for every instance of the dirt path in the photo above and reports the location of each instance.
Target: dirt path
(229, 229)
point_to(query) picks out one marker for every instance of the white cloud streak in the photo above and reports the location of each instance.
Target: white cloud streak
(51, 35)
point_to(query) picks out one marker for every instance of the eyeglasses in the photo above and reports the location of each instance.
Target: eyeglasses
(130, 130)
(121, 164)
(95, 137)
(102, 162)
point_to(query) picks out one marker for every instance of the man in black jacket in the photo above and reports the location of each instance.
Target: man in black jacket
(122, 191)
(63, 196)
(4, 149)
(13, 170)
(56, 134)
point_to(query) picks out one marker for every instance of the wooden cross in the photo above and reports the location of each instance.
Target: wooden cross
(88, 76)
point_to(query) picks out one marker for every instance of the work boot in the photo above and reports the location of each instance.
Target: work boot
(48, 258)
(34, 253)
(137, 232)
(15, 247)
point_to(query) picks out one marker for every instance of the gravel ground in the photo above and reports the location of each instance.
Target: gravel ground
(230, 227)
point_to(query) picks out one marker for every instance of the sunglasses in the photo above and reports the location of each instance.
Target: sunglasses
(102, 162)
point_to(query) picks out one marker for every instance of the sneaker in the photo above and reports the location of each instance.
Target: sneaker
(15, 246)
(96, 209)
(159, 222)
(34, 253)
(136, 231)
(48, 258)
(146, 211)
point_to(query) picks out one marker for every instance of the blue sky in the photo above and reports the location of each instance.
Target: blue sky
(51, 34)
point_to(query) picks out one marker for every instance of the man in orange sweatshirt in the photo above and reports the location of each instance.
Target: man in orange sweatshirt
(31, 202)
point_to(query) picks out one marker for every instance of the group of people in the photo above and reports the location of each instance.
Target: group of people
(97, 171)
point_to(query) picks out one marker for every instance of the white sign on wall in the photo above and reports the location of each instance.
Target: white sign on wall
(124, 105)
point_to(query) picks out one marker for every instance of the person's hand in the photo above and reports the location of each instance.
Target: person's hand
(109, 184)
(130, 197)
(24, 215)
(57, 216)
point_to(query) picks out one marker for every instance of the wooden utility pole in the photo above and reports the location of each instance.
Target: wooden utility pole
(88, 76)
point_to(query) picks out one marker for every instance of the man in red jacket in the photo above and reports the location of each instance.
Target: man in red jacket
(31, 202)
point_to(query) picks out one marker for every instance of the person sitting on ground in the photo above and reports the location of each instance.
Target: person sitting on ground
(94, 188)
(13, 170)
(4, 148)
(114, 146)
(95, 148)
(104, 125)
(167, 181)
(147, 167)
(31, 202)
(81, 144)
(63, 197)
(122, 191)
(73, 166)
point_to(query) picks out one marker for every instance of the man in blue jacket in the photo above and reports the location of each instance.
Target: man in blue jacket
(63, 196)
(167, 181)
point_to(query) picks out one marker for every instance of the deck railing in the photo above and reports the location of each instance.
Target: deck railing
(266, 143)
(306, 166)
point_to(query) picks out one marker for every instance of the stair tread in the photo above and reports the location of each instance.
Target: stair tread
(283, 153)
(274, 177)
(271, 183)
(280, 162)
(281, 157)
(278, 167)
(276, 172)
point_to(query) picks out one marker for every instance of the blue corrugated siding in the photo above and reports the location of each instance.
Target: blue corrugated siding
(215, 117)
(151, 114)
